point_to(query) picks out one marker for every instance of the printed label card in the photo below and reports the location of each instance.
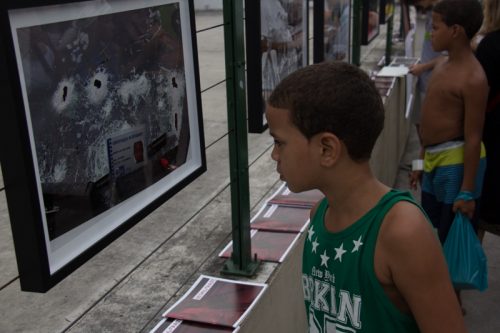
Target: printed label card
(217, 301)
(306, 199)
(126, 151)
(281, 218)
(167, 325)
(269, 246)
(393, 71)
(405, 61)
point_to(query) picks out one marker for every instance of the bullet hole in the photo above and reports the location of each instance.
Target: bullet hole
(97, 84)
(104, 61)
(65, 93)
(174, 83)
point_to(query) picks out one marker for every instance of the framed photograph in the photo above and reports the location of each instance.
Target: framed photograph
(276, 45)
(332, 30)
(405, 26)
(386, 10)
(370, 21)
(101, 123)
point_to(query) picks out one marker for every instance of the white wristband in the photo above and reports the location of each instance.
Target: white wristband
(417, 165)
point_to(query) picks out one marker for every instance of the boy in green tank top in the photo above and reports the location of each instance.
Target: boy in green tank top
(371, 261)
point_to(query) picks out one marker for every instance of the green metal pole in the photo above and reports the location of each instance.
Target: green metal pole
(388, 43)
(241, 262)
(356, 32)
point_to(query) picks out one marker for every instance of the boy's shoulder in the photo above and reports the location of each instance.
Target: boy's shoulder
(466, 72)
(403, 222)
(472, 75)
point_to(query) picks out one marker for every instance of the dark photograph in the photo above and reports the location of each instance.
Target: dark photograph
(267, 245)
(108, 109)
(217, 301)
(281, 218)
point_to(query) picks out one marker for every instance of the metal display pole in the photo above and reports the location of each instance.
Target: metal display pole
(241, 262)
(388, 43)
(356, 32)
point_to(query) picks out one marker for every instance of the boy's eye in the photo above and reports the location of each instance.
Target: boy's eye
(277, 143)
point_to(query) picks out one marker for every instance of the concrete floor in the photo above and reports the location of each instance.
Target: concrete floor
(127, 286)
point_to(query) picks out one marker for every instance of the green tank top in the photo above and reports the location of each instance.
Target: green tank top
(341, 290)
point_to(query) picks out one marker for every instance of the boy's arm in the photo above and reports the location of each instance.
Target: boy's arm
(417, 268)
(475, 95)
(418, 69)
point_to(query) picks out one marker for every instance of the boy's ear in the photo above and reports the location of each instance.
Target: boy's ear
(458, 30)
(331, 148)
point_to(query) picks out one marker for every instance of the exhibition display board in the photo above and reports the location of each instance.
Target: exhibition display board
(276, 45)
(370, 26)
(387, 8)
(332, 30)
(102, 113)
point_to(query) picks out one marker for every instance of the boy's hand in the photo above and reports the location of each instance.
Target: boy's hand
(465, 207)
(415, 178)
(417, 69)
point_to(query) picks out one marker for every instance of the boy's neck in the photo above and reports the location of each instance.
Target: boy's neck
(459, 50)
(350, 196)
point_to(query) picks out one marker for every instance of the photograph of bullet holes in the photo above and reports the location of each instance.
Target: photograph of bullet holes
(112, 102)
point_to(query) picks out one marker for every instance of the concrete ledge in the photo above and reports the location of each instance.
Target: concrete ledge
(281, 308)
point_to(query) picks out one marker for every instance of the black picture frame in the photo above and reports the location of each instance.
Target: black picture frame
(405, 26)
(370, 23)
(101, 123)
(332, 30)
(266, 22)
(387, 8)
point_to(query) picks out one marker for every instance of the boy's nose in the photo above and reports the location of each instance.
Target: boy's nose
(274, 154)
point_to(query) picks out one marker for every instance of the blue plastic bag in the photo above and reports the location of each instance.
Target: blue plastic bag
(464, 254)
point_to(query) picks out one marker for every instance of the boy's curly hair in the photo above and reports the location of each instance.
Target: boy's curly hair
(334, 97)
(466, 13)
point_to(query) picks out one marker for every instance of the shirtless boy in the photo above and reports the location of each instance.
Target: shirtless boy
(371, 261)
(428, 60)
(453, 117)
